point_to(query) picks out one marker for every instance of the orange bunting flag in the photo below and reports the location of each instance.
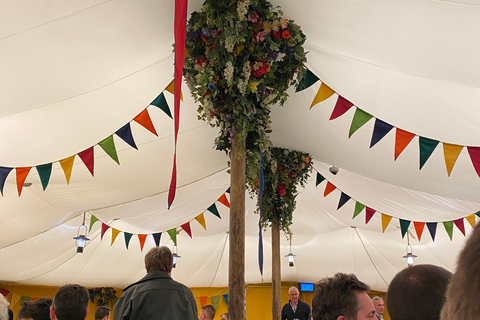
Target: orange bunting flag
(419, 229)
(67, 165)
(385, 221)
(141, 239)
(21, 176)
(104, 229)
(369, 212)
(203, 300)
(201, 219)
(171, 88)
(186, 227)
(329, 188)
(451, 153)
(144, 119)
(87, 158)
(402, 139)
(460, 225)
(471, 219)
(323, 94)
(223, 200)
(115, 233)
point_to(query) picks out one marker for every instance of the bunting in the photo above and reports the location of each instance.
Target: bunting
(87, 156)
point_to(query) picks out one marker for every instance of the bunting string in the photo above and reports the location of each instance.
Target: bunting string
(87, 156)
(381, 128)
(386, 218)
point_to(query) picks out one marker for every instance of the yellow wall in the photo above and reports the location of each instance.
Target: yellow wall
(258, 298)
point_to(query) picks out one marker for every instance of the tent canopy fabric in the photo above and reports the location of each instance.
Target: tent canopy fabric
(74, 73)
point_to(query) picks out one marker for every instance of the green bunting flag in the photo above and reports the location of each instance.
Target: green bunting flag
(108, 145)
(127, 236)
(44, 171)
(404, 224)
(320, 178)
(215, 300)
(213, 209)
(359, 119)
(309, 79)
(449, 228)
(161, 103)
(173, 235)
(93, 219)
(427, 146)
(358, 208)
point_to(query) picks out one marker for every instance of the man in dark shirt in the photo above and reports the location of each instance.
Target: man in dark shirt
(295, 309)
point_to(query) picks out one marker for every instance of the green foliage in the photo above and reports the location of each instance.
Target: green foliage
(284, 171)
(105, 296)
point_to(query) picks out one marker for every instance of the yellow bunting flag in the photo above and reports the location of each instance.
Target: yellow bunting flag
(471, 219)
(67, 165)
(323, 94)
(15, 299)
(171, 88)
(451, 153)
(115, 233)
(385, 221)
(201, 219)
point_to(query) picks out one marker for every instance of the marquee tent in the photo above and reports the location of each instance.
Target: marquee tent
(78, 75)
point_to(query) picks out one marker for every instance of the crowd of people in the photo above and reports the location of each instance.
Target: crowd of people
(425, 292)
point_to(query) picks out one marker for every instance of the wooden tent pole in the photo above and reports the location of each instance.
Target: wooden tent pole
(236, 260)
(276, 272)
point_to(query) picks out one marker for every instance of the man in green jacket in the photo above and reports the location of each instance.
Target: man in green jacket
(157, 295)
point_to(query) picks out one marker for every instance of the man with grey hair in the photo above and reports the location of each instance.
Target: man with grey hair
(295, 309)
(379, 306)
(156, 295)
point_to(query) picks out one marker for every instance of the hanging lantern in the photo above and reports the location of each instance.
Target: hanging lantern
(409, 256)
(175, 256)
(290, 255)
(81, 239)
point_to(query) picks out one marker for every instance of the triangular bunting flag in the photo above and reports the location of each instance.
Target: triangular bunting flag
(380, 130)
(369, 212)
(44, 172)
(225, 297)
(213, 209)
(460, 225)
(402, 139)
(385, 221)
(432, 228)
(309, 79)
(449, 228)
(477, 214)
(471, 220)
(21, 176)
(143, 118)
(215, 300)
(419, 229)
(104, 229)
(451, 153)
(319, 179)
(203, 300)
(323, 94)
(404, 224)
(88, 159)
(474, 153)
(171, 88)
(161, 103)
(223, 200)
(228, 190)
(156, 238)
(427, 146)
(4, 171)
(141, 239)
(173, 235)
(125, 133)
(127, 237)
(67, 165)
(108, 145)
(25, 299)
(4, 292)
(358, 208)
(93, 219)
(201, 219)
(343, 199)
(91, 295)
(186, 227)
(342, 106)
(115, 233)
(328, 188)
(359, 119)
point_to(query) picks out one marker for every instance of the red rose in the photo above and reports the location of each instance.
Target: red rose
(258, 67)
(276, 34)
(281, 190)
(285, 34)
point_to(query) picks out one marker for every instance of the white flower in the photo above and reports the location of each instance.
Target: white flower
(228, 73)
(242, 86)
(229, 43)
(242, 9)
(246, 70)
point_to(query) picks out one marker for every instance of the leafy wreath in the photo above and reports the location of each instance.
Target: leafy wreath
(105, 296)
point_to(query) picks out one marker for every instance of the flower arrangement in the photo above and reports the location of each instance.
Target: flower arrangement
(284, 171)
(105, 296)
(241, 57)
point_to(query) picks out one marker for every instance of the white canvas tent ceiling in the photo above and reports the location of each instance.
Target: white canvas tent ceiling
(74, 72)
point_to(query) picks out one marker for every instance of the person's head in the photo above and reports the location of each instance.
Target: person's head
(3, 308)
(207, 312)
(342, 297)
(418, 292)
(294, 294)
(159, 259)
(35, 310)
(102, 313)
(462, 290)
(378, 304)
(10, 314)
(224, 316)
(26, 311)
(70, 303)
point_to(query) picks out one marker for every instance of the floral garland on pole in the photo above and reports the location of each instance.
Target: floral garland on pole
(241, 57)
(105, 296)
(284, 171)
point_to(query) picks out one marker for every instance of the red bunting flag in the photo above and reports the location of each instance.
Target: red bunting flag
(186, 227)
(460, 225)
(104, 229)
(143, 119)
(402, 139)
(329, 188)
(4, 291)
(87, 158)
(223, 200)
(369, 212)
(21, 176)
(141, 239)
(474, 153)
(419, 229)
(342, 106)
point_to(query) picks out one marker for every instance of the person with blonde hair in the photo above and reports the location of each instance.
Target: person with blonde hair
(3, 308)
